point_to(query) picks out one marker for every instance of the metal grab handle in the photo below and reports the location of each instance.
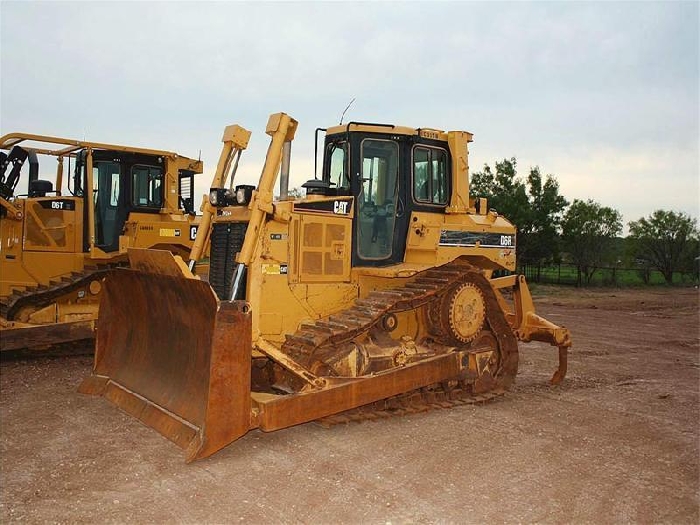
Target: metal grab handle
(400, 209)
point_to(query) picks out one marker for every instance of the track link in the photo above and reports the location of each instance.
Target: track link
(365, 313)
(43, 295)
(418, 401)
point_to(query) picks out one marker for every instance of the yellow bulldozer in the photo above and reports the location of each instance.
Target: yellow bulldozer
(56, 245)
(385, 289)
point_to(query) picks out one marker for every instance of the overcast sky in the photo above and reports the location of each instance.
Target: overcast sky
(605, 96)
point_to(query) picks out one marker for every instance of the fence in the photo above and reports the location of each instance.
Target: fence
(567, 274)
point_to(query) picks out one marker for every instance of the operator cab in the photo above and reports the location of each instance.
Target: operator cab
(72, 213)
(390, 172)
(122, 183)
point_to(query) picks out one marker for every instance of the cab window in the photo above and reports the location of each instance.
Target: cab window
(147, 186)
(105, 183)
(337, 165)
(430, 176)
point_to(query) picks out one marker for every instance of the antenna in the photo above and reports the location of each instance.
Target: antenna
(200, 155)
(346, 108)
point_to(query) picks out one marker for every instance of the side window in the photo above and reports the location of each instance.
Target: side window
(114, 190)
(147, 186)
(430, 176)
(421, 187)
(337, 165)
(79, 174)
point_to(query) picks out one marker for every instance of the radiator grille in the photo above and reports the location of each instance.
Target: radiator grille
(226, 242)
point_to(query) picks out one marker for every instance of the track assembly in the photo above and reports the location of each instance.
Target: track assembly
(354, 342)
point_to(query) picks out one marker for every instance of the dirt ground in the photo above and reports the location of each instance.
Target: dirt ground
(617, 442)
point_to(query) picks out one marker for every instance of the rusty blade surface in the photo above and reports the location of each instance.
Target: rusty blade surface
(170, 355)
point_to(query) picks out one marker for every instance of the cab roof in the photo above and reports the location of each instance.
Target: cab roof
(59, 146)
(389, 129)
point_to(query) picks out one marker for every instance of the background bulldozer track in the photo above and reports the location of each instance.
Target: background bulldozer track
(617, 442)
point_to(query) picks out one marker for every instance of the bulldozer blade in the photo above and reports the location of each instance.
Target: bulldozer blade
(170, 354)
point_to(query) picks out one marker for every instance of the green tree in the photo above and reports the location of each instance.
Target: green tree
(643, 268)
(588, 233)
(294, 193)
(505, 191)
(667, 241)
(546, 213)
(297, 192)
(533, 205)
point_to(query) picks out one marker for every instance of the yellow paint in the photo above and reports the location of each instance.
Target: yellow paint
(43, 244)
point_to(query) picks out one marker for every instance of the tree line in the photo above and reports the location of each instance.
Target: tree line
(585, 233)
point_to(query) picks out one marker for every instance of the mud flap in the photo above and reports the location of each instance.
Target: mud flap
(170, 354)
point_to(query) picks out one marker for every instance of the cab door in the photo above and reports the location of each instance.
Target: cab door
(107, 200)
(380, 220)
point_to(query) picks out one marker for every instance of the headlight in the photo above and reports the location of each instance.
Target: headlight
(217, 197)
(244, 193)
(240, 196)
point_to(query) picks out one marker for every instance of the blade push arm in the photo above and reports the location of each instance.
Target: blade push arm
(235, 140)
(281, 127)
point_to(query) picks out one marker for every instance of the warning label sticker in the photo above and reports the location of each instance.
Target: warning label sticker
(274, 269)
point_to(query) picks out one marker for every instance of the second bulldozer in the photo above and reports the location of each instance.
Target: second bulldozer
(56, 246)
(377, 292)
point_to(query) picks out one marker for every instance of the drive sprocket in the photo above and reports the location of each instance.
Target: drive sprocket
(458, 316)
(463, 312)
